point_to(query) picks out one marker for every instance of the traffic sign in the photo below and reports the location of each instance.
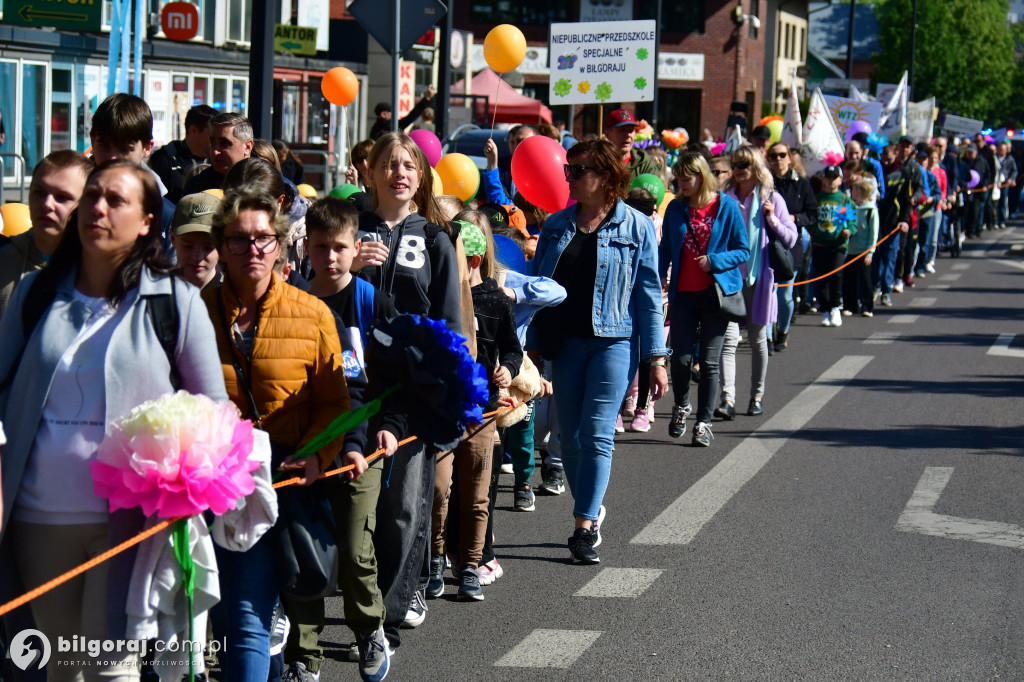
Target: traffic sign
(77, 15)
(180, 20)
(378, 18)
(295, 39)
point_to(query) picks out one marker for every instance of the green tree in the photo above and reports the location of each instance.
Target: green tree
(965, 53)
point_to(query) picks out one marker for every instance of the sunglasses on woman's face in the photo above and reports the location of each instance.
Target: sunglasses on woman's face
(239, 246)
(775, 156)
(741, 165)
(575, 171)
(719, 171)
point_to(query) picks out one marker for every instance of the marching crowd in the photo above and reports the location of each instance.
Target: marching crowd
(270, 300)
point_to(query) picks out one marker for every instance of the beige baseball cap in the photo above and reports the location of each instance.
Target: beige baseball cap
(194, 213)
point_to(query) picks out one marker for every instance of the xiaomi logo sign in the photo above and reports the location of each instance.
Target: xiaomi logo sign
(180, 20)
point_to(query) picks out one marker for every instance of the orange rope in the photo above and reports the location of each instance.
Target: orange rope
(150, 532)
(844, 265)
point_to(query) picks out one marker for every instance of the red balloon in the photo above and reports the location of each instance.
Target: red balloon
(537, 172)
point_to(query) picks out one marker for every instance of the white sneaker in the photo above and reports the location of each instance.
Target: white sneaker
(826, 319)
(837, 317)
(929, 267)
(897, 286)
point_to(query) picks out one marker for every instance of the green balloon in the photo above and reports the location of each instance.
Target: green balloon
(652, 183)
(344, 191)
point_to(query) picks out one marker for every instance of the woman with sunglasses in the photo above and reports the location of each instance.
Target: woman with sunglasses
(704, 241)
(802, 204)
(765, 215)
(88, 356)
(280, 357)
(603, 253)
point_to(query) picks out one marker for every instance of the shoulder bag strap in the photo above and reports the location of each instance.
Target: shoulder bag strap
(243, 380)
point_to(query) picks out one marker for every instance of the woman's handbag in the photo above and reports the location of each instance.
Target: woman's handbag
(731, 307)
(781, 260)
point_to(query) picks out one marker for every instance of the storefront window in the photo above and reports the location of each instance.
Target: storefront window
(519, 12)
(60, 109)
(318, 110)
(239, 100)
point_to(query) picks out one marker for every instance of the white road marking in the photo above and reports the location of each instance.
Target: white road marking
(882, 338)
(951, 277)
(923, 302)
(903, 319)
(1002, 347)
(682, 520)
(620, 582)
(1011, 263)
(939, 287)
(918, 517)
(961, 266)
(549, 649)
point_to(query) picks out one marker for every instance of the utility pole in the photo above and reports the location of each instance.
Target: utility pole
(849, 39)
(913, 52)
(261, 67)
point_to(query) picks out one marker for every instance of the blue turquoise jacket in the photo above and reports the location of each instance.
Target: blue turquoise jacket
(627, 294)
(727, 249)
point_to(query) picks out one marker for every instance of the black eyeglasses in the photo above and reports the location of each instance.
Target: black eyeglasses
(239, 246)
(575, 171)
(777, 155)
(716, 173)
(741, 165)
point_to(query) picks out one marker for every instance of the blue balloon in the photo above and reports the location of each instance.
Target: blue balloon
(509, 254)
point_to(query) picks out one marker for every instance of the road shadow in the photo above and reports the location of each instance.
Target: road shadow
(990, 386)
(978, 440)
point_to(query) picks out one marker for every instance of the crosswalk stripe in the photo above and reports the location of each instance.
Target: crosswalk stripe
(549, 649)
(620, 582)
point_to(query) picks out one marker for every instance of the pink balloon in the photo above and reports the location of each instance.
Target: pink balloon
(428, 142)
(537, 172)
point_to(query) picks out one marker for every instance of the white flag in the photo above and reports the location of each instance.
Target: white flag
(856, 94)
(893, 121)
(792, 125)
(733, 140)
(820, 136)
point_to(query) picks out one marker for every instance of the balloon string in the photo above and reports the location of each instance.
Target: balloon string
(494, 117)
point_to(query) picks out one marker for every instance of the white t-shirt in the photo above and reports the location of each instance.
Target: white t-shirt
(56, 487)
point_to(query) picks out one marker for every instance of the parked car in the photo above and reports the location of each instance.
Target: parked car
(470, 140)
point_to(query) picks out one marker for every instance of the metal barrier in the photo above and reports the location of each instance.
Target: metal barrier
(325, 169)
(19, 177)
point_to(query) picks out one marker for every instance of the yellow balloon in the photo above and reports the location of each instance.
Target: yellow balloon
(775, 128)
(16, 219)
(665, 202)
(459, 176)
(438, 187)
(505, 48)
(307, 191)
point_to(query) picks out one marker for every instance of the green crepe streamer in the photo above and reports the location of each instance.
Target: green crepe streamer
(183, 554)
(341, 425)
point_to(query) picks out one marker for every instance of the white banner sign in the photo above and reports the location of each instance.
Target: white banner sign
(845, 111)
(602, 61)
(961, 125)
(884, 91)
(820, 135)
(919, 119)
(792, 125)
(606, 10)
(316, 14)
(675, 66)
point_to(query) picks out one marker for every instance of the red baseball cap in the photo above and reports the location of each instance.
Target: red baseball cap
(619, 117)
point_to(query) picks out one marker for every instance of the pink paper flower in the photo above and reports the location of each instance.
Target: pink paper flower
(176, 456)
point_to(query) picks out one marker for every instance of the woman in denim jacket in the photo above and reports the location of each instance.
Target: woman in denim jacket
(603, 252)
(704, 241)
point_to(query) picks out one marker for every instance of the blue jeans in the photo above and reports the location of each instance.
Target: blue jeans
(1002, 205)
(884, 263)
(248, 593)
(591, 377)
(786, 305)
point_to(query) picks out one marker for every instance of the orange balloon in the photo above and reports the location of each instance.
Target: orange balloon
(16, 219)
(505, 48)
(340, 86)
(459, 175)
